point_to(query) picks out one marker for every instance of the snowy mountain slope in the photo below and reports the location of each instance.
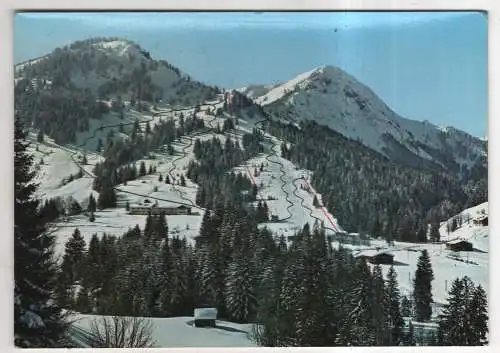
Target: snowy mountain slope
(281, 180)
(334, 98)
(255, 91)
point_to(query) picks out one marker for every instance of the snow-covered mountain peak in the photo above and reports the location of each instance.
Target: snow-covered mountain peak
(118, 47)
(333, 97)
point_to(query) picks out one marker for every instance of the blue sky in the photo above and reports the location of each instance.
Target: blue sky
(429, 66)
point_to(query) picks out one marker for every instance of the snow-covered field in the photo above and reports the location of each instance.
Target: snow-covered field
(446, 268)
(179, 332)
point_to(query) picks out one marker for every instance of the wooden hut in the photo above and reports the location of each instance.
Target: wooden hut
(459, 245)
(205, 317)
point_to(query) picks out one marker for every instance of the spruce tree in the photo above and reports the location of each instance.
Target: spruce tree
(380, 307)
(406, 307)
(434, 232)
(357, 328)
(452, 330)
(422, 288)
(464, 319)
(74, 256)
(240, 293)
(478, 314)
(38, 321)
(93, 267)
(142, 169)
(393, 298)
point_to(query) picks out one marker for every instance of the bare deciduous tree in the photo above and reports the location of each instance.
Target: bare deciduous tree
(121, 332)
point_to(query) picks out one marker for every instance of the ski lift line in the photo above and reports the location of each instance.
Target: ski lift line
(73, 153)
(307, 207)
(322, 207)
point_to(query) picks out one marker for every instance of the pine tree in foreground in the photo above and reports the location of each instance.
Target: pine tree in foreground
(422, 288)
(393, 298)
(38, 321)
(464, 319)
(240, 294)
(380, 308)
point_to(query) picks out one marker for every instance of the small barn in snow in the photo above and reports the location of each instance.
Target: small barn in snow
(459, 245)
(377, 257)
(205, 317)
(158, 210)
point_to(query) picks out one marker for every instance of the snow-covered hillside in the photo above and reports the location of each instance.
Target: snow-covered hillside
(180, 332)
(446, 264)
(112, 67)
(283, 186)
(334, 98)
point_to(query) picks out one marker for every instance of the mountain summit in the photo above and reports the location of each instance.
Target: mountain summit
(332, 97)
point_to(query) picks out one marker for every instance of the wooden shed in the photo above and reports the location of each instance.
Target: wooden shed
(377, 257)
(205, 317)
(459, 245)
(382, 259)
(157, 210)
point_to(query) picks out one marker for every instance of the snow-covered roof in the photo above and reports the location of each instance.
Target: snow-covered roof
(205, 313)
(373, 252)
(161, 204)
(457, 241)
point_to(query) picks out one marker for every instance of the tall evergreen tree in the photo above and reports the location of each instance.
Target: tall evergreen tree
(464, 319)
(357, 327)
(142, 169)
(422, 287)
(38, 321)
(380, 307)
(406, 307)
(478, 309)
(240, 292)
(393, 298)
(434, 232)
(74, 256)
(92, 206)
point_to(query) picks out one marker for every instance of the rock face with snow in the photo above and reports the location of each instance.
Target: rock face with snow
(334, 98)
